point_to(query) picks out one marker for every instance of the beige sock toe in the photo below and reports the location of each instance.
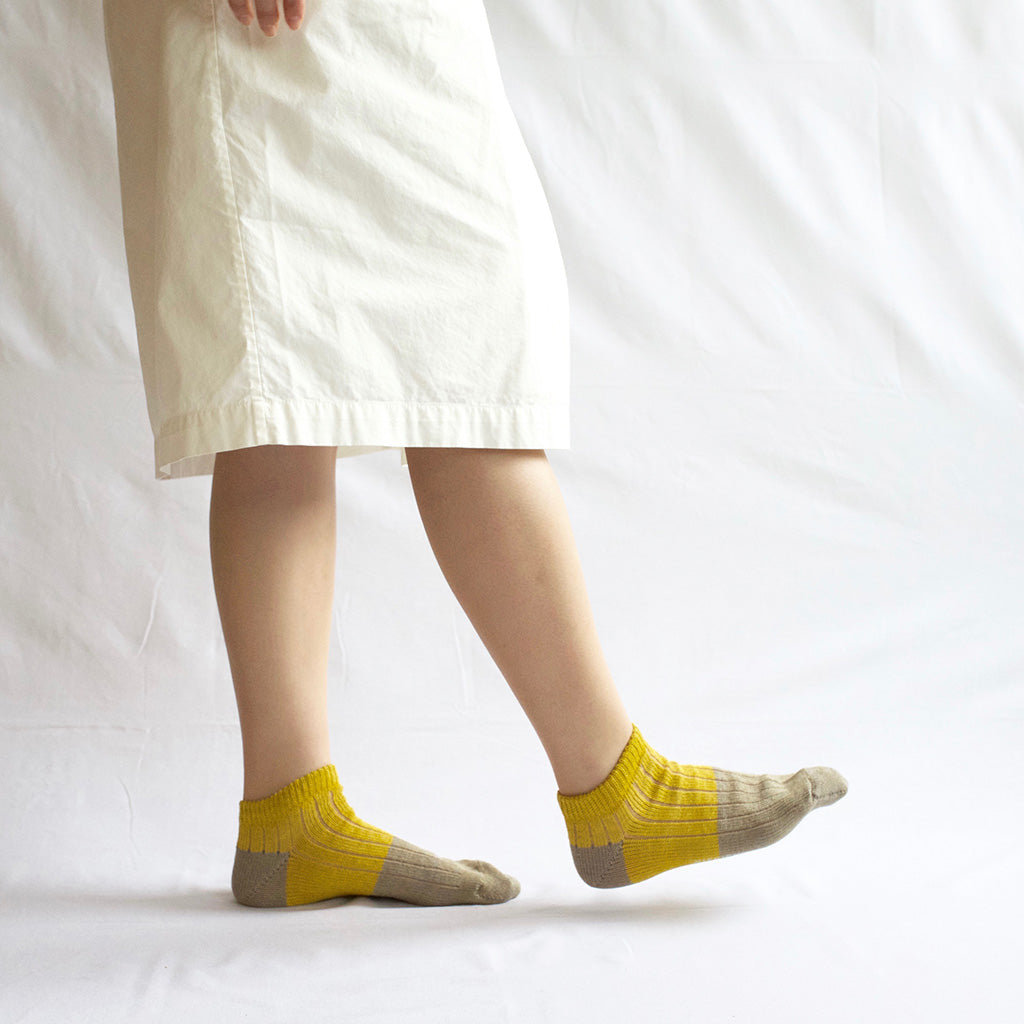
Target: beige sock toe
(415, 875)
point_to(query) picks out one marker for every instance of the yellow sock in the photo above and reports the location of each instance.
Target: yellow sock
(304, 843)
(652, 814)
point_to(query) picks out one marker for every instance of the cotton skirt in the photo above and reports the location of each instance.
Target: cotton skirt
(335, 235)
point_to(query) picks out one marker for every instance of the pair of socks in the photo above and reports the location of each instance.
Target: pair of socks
(304, 843)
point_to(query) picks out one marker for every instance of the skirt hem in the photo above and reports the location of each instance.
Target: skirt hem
(188, 447)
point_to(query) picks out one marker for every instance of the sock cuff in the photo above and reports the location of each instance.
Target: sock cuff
(269, 810)
(607, 796)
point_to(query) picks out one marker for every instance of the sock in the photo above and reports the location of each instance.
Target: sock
(652, 814)
(304, 843)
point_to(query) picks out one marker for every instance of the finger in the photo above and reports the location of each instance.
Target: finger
(294, 12)
(242, 10)
(268, 16)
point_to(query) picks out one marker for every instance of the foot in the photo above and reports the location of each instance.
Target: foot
(652, 814)
(304, 844)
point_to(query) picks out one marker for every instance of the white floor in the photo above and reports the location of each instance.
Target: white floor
(900, 903)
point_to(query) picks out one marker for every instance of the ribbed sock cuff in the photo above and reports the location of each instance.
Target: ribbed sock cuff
(608, 795)
(271, 809)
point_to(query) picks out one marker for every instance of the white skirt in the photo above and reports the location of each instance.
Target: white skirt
(334, 236)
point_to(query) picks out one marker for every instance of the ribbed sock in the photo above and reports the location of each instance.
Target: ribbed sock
(304, 843)
(651, 814)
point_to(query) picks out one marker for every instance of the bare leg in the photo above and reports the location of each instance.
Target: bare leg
(499, 528)
(272, 549)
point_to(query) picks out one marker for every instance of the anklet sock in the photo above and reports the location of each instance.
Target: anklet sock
(304, 843)
(651, 814)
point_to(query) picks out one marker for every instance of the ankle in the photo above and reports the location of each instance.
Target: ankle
(584, 768)
(267, 776)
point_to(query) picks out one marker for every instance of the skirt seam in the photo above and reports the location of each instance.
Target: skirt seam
(371, 402)
(260, 422)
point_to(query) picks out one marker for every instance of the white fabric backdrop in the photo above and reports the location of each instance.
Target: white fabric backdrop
(794, 236)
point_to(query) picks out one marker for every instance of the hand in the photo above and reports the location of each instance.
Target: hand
(267, 13)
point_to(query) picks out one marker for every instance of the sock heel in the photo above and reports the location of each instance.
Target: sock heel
(258, 879)
(601, 867)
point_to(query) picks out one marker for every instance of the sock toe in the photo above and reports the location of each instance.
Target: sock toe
(495, 886)
(827, 786)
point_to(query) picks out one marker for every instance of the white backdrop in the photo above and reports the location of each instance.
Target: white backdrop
(794, 236)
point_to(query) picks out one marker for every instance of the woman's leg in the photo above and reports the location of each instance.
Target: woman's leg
(498, 525)
(272, 548)
(499, 528)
